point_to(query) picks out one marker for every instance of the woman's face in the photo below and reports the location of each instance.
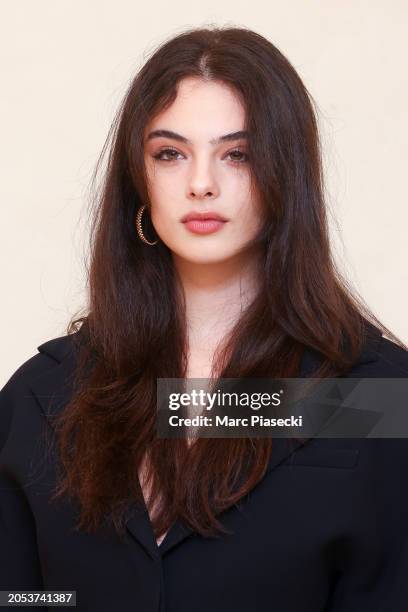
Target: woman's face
(187, 172)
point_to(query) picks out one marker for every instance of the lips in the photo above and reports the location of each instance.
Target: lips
(204, 216)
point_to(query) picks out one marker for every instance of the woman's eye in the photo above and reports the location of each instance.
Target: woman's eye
(237, 156)
(168, 155)
(172, 154)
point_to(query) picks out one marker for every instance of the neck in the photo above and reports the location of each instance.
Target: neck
(216, 293)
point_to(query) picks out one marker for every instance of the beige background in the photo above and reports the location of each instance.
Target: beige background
(64, 69)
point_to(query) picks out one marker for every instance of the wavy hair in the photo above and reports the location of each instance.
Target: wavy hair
(135, 317)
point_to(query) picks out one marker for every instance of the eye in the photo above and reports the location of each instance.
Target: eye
(169, 155)
(172, 156)
(240, 154)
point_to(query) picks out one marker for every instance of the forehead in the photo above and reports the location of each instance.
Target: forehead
(202, 109)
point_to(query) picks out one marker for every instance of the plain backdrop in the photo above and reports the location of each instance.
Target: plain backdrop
(65, 66)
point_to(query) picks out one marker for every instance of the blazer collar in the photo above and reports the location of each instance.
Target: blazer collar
(53, 389)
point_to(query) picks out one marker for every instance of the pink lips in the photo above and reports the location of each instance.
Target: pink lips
(203, 223)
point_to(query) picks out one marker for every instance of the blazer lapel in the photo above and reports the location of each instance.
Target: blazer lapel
(54, 387)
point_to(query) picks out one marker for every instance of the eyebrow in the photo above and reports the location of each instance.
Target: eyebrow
(214, 141)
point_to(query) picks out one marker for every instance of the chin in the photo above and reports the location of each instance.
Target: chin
(206, 257)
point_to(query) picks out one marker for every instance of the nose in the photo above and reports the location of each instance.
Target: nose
(202, 181)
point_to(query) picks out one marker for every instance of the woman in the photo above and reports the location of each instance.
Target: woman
(217, 125)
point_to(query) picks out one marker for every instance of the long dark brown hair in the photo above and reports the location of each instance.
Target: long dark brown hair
(135, 318)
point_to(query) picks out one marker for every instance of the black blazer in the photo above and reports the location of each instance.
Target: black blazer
(324, 531)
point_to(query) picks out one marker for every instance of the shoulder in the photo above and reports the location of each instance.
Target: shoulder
(382, 358)
(17, 389)
(392, 357)
(49, 354)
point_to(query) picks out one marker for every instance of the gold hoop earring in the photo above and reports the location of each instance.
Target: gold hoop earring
(139, 226)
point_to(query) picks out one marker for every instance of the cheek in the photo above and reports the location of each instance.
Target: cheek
(161, 192)
(158, 181)
(165, 214)
(249, 212)
(165, 193)
(161, 214)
